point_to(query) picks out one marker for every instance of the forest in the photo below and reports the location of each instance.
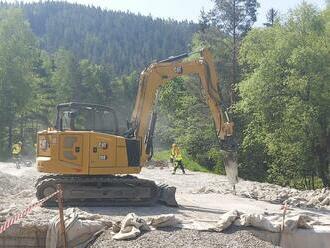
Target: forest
(126, 41)
(275, 80)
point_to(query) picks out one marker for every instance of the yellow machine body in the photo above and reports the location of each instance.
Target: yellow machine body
(87, 153)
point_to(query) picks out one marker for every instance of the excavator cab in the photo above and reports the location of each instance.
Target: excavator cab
(76, 116)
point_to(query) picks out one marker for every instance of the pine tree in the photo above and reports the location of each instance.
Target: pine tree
(233, 18)
(271, 17)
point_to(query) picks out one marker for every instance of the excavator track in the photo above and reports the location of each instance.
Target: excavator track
(105, 191)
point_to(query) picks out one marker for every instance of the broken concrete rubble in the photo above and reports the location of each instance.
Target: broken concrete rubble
(163, 220)
(225, 221)
(197, 211)
(319, 199)
(258, 221)
(157, 164)
(131, 227)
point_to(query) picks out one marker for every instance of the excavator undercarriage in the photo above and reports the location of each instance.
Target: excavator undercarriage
(100, 191)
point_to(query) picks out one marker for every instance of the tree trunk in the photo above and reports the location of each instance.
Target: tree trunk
(21, 133)
(323, 173)
(10, 139)
(234, 55)
(322, 150)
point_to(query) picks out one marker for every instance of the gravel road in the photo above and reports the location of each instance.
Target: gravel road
(172, 238)
(197, 202)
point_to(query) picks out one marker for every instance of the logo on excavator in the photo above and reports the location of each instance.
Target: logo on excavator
(178, 69)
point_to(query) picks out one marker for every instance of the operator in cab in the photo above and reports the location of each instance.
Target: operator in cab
(177, 158)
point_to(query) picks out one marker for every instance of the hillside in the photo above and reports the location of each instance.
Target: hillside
(126, 41)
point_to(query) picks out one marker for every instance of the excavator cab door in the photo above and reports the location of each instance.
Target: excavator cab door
(71, 146)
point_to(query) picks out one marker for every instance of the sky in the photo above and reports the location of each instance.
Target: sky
(184, 9)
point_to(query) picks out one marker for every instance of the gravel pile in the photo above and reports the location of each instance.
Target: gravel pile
(16, 192)
(172, 238)
(319, 199)
(11, 185)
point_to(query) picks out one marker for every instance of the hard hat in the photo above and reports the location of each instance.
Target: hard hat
(20, 142)
(173, 145)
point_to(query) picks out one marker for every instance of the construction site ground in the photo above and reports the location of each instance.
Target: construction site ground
(202, 197)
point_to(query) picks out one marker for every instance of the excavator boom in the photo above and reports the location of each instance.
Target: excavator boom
(158, 74)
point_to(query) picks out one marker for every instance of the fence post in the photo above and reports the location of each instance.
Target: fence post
(60, 208)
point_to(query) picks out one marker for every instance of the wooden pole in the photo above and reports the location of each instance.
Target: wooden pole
(60, 208)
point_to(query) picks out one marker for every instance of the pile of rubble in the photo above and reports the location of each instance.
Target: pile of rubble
(319, 199)
(10, 184)
(15, 194)
(161, 164)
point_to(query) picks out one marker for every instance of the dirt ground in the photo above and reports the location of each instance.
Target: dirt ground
(201, 196)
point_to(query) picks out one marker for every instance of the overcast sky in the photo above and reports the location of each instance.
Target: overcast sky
(183, 9)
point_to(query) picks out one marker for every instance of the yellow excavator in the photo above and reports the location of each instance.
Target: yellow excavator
(93, 160)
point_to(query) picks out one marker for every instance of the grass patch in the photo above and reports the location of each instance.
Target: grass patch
(187, 161)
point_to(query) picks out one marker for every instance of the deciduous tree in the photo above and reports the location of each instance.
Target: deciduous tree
(285, 98)
(17, 52)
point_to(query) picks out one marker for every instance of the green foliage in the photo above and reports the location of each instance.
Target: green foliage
(33, 82)
(184, 118)
(285, 98)
(217, 157)
(17, 50)
(272, 17)
(124, 40)
(234, 17)
(124, 90)
(223, 28)
(188, 162)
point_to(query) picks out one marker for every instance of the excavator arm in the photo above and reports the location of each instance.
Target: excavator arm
(158, 74)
